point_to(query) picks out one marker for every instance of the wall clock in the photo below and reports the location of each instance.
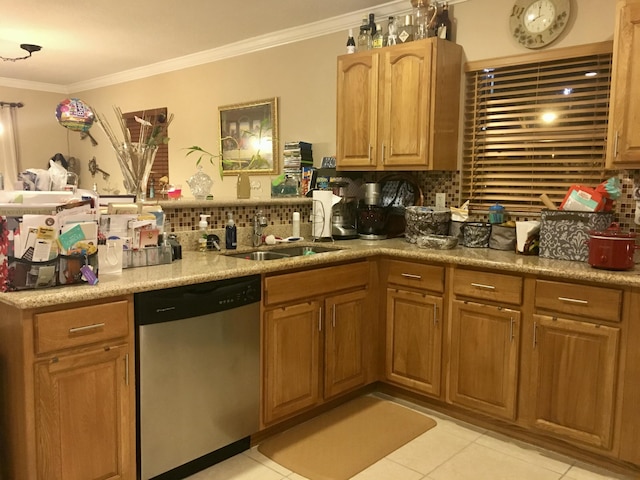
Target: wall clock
(537, 23)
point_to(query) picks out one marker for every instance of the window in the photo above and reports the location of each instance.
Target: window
(535, 124)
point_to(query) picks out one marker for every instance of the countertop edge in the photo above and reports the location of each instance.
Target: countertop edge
(198, 267)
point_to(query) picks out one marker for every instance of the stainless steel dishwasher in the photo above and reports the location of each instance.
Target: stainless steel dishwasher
(197, 367)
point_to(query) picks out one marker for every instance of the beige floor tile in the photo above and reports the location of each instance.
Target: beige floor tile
(240, 467)
(266, 461)
(528, 453)
(429, 450)
(477, 462)
(581, 471)
(295, 476)
(387, 470)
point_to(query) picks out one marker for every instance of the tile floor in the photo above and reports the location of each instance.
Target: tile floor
(452, 450)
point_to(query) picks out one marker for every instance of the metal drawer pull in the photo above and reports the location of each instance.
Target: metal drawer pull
(535, 334)
(333, 316)
(511, 329)
(573, 300)
(86, 327)
(411, 275)
(482, 285)
(383, 152)
(320, 319)
(126, 369)
(435, 315)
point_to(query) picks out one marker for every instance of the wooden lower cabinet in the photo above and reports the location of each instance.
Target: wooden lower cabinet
(573, 379)
(291, 359)
(414, 340)
(313, 349)
(344, 347)
(484, 358)
(69, 391)
(82, 419)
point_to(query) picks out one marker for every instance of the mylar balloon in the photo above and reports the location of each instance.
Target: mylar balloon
(74, 114)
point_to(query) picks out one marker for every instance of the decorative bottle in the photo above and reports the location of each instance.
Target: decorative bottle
(351, 43)
(444, 23)
(421, 23)
(230, 233)
(392, 32)
(405, 33)
(364, 39)
(377, 41)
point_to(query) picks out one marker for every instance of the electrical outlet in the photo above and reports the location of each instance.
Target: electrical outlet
(441, 200)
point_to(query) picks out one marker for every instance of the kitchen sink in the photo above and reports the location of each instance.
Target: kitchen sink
(278, 253)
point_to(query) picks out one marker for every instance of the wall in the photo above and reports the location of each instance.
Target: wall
(40, 136)
(301, 75)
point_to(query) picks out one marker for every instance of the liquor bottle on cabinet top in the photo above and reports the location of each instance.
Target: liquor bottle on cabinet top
(364, 39)
(351, 43)
(444, 23)
(377, 41)
(421, 23)
(392, 32)
(372, 25)
(405, 33)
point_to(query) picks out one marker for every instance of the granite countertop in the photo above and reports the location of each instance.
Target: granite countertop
(198, 267)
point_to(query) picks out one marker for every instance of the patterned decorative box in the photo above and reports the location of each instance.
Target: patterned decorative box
(564, 234)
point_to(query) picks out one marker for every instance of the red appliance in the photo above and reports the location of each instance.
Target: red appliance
(612, 249)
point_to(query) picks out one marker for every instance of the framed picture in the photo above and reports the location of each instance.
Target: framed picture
(249, 137)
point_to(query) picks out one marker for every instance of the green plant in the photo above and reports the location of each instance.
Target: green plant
(204, 154)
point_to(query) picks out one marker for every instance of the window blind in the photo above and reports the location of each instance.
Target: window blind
(534, 127)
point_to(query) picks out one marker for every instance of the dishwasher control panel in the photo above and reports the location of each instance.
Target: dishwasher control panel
(194, 300)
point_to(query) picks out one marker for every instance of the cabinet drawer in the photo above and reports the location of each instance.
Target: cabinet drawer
(314, 283)
(592, 302)
(488, 286)
(424, 277)
(80, 326)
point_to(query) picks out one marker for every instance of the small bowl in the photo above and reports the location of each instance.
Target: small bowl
(437, 242)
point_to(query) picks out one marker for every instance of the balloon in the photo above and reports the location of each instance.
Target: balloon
(74, 114)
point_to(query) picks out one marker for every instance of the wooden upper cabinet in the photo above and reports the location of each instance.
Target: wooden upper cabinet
(623, 142)
(357, 109)
(398, 107)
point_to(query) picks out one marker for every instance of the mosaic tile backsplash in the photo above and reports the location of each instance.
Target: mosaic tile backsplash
(186, 219)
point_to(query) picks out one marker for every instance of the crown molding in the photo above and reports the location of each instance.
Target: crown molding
(28, 85)
(299, 33)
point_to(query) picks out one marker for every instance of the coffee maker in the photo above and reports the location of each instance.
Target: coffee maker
(343, 214)
(372, 218)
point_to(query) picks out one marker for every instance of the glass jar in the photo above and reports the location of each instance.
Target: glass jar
(200, 184)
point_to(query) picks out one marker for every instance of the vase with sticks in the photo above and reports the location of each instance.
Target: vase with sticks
(136, 157)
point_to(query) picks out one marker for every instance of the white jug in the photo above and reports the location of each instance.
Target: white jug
(323, 202)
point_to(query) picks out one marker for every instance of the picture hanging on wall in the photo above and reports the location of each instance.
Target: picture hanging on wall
(249, 137)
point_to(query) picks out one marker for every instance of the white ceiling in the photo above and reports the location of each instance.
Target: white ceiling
(92, 43)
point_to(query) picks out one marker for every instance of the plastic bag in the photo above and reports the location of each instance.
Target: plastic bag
(58, 176)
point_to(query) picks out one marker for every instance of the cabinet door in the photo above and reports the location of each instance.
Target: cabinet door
(484, 358)
(291, 359)
(623, 142)
(83, 416)
(414, 340)
(406, 93)
(344, 367)
(573, 379)
(357, 110)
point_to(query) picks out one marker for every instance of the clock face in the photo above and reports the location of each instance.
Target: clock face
(539, 16)
(536, 23)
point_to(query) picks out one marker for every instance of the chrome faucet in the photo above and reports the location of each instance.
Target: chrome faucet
(259, 222)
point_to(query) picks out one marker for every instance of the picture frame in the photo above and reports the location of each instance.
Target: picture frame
(249, 137)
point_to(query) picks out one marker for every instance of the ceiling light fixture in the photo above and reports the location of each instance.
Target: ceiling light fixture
(25, 46)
